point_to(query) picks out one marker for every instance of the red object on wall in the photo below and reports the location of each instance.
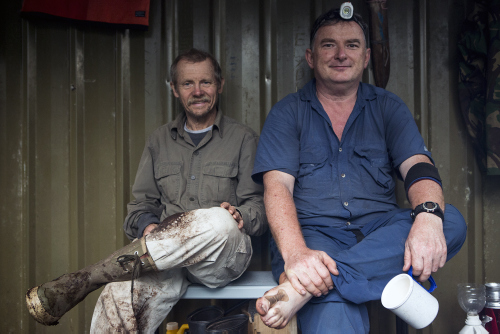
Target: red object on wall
(135, 12)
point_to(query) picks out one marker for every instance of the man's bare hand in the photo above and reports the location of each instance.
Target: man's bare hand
(148, 229)
(425, 247)
(236, 215)
(308, 269)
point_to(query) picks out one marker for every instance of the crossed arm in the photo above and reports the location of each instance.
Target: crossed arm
(308, 269)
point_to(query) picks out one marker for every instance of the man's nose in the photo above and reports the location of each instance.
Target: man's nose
(340, 54)
(197, 90)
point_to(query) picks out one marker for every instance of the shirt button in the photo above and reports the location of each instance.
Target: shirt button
(193, 177)
(346, 204)
(191, 199)
(196, 153)
(340, 149)
(343, 175)
(348, 223)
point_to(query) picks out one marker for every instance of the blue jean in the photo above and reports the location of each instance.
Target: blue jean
(364, 267)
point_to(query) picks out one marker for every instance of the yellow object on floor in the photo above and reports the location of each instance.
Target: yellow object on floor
(173, 328)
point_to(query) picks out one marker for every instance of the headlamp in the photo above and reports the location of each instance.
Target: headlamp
(346, 10)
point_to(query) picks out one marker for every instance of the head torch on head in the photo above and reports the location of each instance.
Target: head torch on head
(334, 15)
(346, 10)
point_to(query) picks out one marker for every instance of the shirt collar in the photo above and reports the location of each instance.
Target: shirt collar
(178, 126)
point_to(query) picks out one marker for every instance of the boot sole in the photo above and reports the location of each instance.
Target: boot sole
(37, 310)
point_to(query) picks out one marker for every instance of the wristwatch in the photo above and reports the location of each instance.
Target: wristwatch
(430, 207)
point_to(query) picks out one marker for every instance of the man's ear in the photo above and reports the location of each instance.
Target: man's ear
(367, 57)
(309, 58)
(221, 86)
(172, 86)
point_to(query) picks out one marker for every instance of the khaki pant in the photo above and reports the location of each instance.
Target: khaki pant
(206, 247)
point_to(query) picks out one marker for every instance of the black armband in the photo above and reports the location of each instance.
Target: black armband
(420, 171)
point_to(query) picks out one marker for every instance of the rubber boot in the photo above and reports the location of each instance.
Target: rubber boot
(48, 302)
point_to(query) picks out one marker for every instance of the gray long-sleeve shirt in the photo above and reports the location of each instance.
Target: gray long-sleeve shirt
(176, 176)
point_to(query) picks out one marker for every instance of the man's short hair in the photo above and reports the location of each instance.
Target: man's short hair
(196, 56)
(332, 17)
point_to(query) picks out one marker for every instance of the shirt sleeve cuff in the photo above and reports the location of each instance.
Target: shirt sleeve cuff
(246, 218)
(258, 174)
(145, 220)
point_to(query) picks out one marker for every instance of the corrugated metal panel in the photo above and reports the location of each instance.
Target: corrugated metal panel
(76, 104)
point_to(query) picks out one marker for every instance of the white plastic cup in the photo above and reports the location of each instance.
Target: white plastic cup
(410, 301)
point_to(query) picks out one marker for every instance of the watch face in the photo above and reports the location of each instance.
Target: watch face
(430, 206)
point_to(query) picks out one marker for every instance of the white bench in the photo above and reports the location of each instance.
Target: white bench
(251, 285)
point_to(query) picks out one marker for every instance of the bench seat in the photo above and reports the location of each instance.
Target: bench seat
(251, 285)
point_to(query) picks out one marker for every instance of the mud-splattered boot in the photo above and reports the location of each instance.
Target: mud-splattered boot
(48, 302)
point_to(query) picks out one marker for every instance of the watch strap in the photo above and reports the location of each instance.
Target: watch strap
(429, 207)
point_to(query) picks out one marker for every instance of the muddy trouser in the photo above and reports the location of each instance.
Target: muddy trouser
(365, 267)
(207, 251)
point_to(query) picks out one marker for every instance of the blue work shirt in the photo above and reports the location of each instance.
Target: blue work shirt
(339, 183)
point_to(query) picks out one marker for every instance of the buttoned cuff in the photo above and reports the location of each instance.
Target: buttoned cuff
(144, 220)
(239, 213)
(245, 215)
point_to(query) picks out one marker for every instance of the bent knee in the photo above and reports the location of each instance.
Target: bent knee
(455, 229)
(218, 221)
(454, 221)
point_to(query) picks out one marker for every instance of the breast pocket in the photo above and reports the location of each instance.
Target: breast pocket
(168, 178)
(314, 172)
(219, 183)
(375, 170)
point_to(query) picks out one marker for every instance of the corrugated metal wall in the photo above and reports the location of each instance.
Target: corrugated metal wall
(77, 102)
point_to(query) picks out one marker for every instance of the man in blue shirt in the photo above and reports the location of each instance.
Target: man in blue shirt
(326, 156)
